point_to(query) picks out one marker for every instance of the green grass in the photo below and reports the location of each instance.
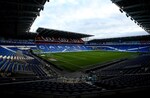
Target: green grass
(73, 61)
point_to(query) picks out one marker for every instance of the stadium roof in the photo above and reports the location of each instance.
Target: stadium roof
(17, 16)
(138, 10)
(132, 38)
(59, 33)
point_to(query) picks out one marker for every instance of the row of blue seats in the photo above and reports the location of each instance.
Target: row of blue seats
(11, 50)
(14, 66)
(5, 52)
(115, 72)
(52, 88)
(77, 47)
(22, 79)
(125, 81)
(133, 73)
(62, 48)
(45, 48)
(138, 65)
(7, 65)
(130, 48)
(9, 62)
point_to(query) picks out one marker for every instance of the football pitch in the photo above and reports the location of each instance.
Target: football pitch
(74, 61)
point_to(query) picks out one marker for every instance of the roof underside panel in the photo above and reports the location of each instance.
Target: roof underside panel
(138, 10)
(17, 16)
(58, 33)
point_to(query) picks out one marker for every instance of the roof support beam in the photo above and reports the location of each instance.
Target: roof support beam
(23, 4)
(142, 20)
(115, 1)
(22, 11)
(146, 26)
(133, 6)
(14, 20)
(141, 16)
(144, 23)
(138, 12)
(19, 17)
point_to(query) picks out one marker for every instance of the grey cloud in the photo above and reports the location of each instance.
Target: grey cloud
(97, 17)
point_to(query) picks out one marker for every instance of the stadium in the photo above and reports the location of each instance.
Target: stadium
(52, 63)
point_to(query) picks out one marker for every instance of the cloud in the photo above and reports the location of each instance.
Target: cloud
(101, 18)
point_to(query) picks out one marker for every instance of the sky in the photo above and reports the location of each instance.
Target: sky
(100, 18)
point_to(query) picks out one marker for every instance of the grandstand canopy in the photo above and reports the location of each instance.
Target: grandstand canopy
(17, 16)
(137, 10)
(59, 33)
(134, 38)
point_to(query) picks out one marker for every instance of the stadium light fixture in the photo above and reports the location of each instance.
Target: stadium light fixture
(121, 10)
(139, 24)
(127, 15)
(135, 21)
(39, 9)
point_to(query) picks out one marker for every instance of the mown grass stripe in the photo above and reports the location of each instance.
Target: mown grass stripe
(73, 61)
